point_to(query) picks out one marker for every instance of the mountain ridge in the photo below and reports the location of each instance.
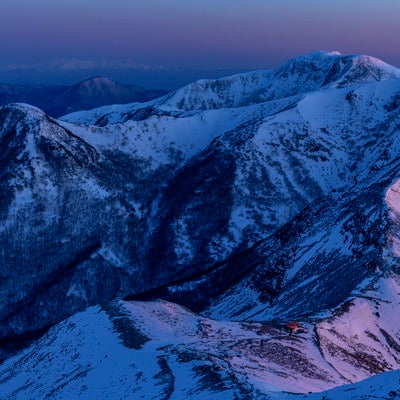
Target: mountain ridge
(295, 77)
(279, 205)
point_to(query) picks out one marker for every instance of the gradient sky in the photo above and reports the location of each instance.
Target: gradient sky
(195, 34)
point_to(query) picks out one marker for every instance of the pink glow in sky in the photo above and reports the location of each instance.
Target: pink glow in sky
(192, 34)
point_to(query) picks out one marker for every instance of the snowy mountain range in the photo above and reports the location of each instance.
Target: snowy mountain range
(254, 200)
(85, 95)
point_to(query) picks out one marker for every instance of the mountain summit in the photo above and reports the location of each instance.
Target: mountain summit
(257, 200)
(299, 75)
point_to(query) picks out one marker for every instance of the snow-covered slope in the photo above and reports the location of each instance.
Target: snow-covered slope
(264, 197)
(158, 350)
(307, 189)
(149, 350)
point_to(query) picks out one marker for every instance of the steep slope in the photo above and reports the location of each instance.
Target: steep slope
(306, 190)
(77, 208)
(85, 95)
(267, 169)
(345, 229)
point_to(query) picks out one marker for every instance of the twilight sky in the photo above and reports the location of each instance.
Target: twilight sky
(160, 36)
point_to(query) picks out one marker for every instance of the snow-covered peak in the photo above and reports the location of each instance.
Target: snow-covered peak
(29, 137)
(19, 115)
(323, 59)
(317, 56)
(27, 109)
(362, 69)
(295, 78)
(332, 69)
(298, 75)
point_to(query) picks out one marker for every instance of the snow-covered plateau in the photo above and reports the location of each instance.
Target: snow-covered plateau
(158, 250)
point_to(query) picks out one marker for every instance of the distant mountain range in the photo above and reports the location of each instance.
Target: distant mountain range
(85, 95)
(254, 200)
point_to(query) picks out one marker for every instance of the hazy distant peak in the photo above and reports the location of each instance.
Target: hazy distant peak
(87, 94)
(98, 80)
(103, 83)
(100, 83)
